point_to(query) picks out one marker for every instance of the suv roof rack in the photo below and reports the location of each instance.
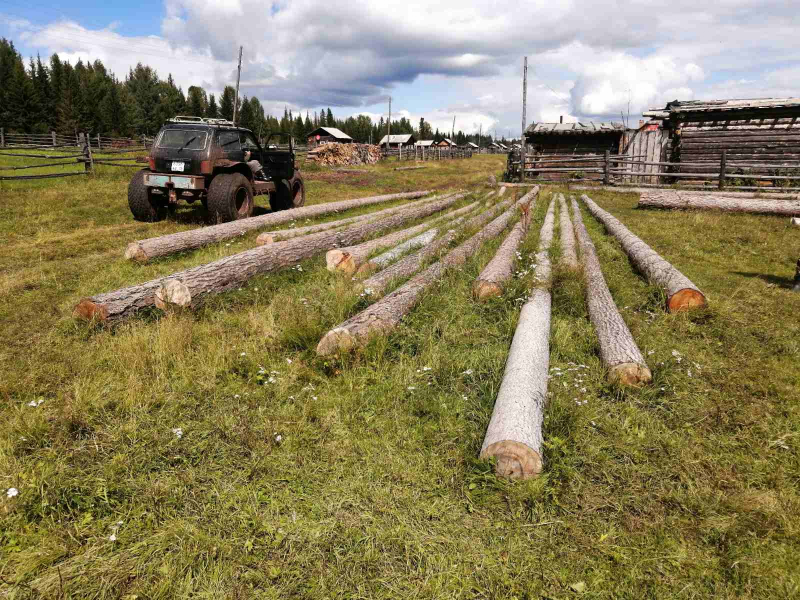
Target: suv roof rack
(190, 119)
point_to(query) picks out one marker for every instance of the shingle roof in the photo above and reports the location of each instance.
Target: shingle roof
(721, 105)
(331, 131)
(574, 128)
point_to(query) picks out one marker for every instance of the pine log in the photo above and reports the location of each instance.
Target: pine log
(681, 293)
(514, 435)
(701, 201)
(386, 313)
(348, 260)
(501, 191)
(232, 271)
(423, 239)
(618, 350)
(412, 263)
(568, 255)
(498, 271)
(144, 250)
(408, 168)
(270, 237)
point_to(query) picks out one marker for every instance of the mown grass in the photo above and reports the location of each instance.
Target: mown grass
(357, 476)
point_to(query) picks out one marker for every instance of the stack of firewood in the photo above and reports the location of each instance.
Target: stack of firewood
(334, 155)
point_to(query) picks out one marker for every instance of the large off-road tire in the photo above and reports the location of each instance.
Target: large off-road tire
(230, 197)
(142, 204)
(289, 193)
(298, 191)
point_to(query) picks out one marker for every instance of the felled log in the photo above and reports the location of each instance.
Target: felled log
(412, 263)
(568, 255)
(681, 293)
(498, 271)
(232, 271)
(349, 260)
(501, 191)
(618, 350)
(386, 313)
(700, 201)
(423, 239)
(144, 250)
(408, 168)
(514, 434)
(270, 237)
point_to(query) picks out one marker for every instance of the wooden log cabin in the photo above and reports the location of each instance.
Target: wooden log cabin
(764, 132)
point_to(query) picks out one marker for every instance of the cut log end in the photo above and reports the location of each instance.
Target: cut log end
(686, 299)
(515, 460)
(86, 309)
(336, 340)
(337, 260)
(134, 251)
(172, 293)
(630, 374)
(264, 239)
(483, 290)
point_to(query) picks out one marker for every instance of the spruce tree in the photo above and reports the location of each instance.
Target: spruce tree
(212, 112)
(226, 103)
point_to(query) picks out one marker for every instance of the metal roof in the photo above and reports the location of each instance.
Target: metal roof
(425, 143)
(397, 139)
(721, 105)
(331, 131)
(575, 128)
(472, 145)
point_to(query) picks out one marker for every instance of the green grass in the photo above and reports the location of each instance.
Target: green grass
(684, 489)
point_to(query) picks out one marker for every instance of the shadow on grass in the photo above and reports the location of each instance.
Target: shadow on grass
(196, 214)
(784, 282)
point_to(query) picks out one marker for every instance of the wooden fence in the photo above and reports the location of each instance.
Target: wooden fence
(426, 153)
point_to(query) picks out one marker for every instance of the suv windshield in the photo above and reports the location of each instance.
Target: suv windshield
(189, 139)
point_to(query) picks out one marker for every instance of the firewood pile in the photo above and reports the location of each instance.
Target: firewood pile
(334, 155)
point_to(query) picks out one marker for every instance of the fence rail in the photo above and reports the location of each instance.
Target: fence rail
(426, 153)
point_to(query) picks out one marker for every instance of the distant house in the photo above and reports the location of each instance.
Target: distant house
(398, 141)
(446, 143)
(424, 143)
(472, 146)
(326, 135)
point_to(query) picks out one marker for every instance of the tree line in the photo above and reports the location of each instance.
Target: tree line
(86, 97)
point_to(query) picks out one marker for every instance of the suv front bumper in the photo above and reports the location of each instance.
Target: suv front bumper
(181, 182)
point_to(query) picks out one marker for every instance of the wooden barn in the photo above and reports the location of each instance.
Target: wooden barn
(326, 135)
(575, 138)
(761, 131)
(446, 143)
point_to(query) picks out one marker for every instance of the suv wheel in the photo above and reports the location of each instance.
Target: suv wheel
(288, 194)
(141, 202)
(230, 197)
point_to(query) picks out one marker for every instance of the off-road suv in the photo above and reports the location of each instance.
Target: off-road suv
(207, 160)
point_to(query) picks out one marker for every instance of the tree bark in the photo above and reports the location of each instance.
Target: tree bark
(412, 263)
(514, 435)
(681, 293)
(232, 271)
(418, 241)
(349, 260)
(270, 237)
(498, 271)
(702, 201)
(618, 350)
(385, 314)
(568, 255)
(144, 250)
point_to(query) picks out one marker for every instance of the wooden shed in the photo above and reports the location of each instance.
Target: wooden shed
(327, 135)
(399, 140)
(575, 138)
(759, 131)
(445, 143)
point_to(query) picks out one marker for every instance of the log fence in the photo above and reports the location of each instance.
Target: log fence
(422, 153)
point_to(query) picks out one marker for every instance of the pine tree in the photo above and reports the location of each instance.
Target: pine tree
(331, 121)
(196, 101)
(212, 112)
(226, 103)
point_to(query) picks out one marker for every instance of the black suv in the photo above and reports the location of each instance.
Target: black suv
(206, 159)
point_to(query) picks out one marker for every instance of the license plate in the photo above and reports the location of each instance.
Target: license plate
(178, 166)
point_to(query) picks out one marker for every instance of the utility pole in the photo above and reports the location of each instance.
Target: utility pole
(389, 128)
(522, 150)
(238, 77)
(453, 130)
(480, 131)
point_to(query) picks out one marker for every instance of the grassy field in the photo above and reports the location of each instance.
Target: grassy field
(213, 455)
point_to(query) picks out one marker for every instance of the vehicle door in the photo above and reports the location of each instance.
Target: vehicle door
(250, 144)
(230, 145)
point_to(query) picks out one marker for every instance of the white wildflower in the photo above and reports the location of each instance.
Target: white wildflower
(236, 396)
(12, 492)
(426, 368)
(467, 372)
(278, 438)
(178, 432)
(288, 361)
(113, 536)
(243, 354)
(411, 388)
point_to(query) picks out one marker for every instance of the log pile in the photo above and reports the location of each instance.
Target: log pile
(703, 201)
(334, 154)
(514, 434)
(620, 355)
(681, 293)
(386, 313)
(144, 250)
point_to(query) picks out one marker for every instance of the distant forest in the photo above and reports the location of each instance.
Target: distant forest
(67, 98)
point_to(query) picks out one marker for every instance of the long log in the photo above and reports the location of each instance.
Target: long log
(623, 189)
(501, 191)
(423, 239)
(681, 293)
(232, 271)
(386, 313)
(270, 237)
(701, 201)
(412, 263)
(496, 274)
(618, 350)
(514, 435)
(144, 250)
(568, 255)
(349, 260)
(408, 168)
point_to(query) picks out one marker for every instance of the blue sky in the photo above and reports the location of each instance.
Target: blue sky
(437, 60)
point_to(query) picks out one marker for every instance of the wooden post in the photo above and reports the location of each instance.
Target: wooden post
(53, 135)
(522, 148)
(98, 141)
(606, 174)
(2, 138)
(238, 77)
(722, 161)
